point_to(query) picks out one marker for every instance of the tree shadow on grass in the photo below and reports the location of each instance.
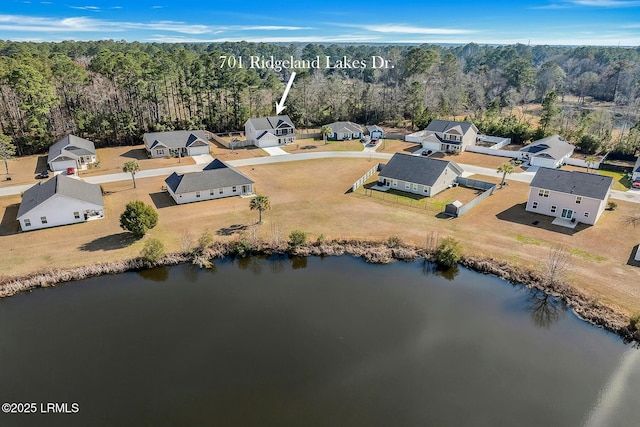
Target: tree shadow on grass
(9, 224)
(137, 154)
(110, 243)
(230, 230)
(162, 199)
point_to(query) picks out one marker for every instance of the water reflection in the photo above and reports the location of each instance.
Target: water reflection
(156, 274)
(298, 262)
(545, 310)
(252, 263)
(431, 269)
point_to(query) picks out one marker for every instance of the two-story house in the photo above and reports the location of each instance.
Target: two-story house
(445, 135)
(572, 195)
(270, 131)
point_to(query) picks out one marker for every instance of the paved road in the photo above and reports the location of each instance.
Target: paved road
(630, 196)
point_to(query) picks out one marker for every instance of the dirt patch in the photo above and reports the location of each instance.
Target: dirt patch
(477, 159)
(315, 145)
(393, 146)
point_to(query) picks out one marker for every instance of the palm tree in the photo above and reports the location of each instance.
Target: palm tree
(504, 169)
(132, 167)
(590, 160)
(326, 131)
(260, 203)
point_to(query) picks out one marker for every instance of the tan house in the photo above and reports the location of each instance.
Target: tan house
(572, 195)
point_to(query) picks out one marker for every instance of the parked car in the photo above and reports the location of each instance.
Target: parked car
(71, 171)
(636, 184)
(43, 175)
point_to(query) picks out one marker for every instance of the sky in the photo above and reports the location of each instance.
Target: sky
(535, 22)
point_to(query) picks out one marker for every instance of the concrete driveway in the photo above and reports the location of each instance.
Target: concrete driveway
(275, 151)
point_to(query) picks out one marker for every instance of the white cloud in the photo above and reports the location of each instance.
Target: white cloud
(606, 3)
(407, 29)
(346, 38)
(90, 8)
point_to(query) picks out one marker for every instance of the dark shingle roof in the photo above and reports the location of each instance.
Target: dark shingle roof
(63, 185)
(445, 125)
(271, 122)
(552, 147)
(176, 138)
(416, 169)
(216, 174)
(71, 147)
(573, 182)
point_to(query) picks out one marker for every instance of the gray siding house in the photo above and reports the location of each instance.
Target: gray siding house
(549, 152)
(575, 196)
(215, 181)
(375, 132)
(177, 143)
(71, 152)
(418, 174)
(446, 135)
(635, 176)
(270, 131)
(345, 131)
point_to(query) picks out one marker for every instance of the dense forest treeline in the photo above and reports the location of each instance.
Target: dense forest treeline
(111, 92)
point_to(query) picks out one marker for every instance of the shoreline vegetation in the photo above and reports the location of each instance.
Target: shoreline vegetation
(586, 308)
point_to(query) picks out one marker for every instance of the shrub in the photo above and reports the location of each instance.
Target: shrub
(138, 218)
(243, 247)
(634, 322)
(205, 241)
(448, 253)
(297, 238)
(393, 242)
(152, 250)
(611, 206)
(321, 238)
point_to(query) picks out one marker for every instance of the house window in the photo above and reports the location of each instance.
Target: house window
(160, 152)
(27, 223)
(586, 214)
(197, 194)
(426, 189)
(221, 191)
(578, 200)
(543, 193)
(534, 205)
(76, 215)
(415, 187)
(553, 208)
(395, 182)
(235, 189)
(407, 185)
(212, 192)
(43, 219)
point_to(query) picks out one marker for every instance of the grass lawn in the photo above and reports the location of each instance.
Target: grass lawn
(313, 196)
(395, 146)
(621, 180)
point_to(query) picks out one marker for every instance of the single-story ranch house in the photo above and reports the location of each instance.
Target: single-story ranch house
(61, 200)
(375, 132)
(344, 131)
(216, 180)
(270, 131)
(636, 171)
(177, 143)
(549, 152)
(418, 174)
(576, 196)
(71, 152)
(447, 136)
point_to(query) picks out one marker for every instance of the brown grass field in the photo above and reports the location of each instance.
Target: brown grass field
(308, 145)
(313, 196)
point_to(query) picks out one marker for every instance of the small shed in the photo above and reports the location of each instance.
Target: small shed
(453, 208)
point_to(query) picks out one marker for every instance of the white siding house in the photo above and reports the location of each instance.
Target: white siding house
(177, 143)
(549, 152)
(61, 200)
(444, 135)
(635, 176)
(342, 131)
(71, 152)
(418, 174)
(215, 181)
(270, 131)
(572, 195)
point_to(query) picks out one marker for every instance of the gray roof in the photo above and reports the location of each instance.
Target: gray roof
(573, 182)
(417, 169)
(636, 167)
(442, 126)
(71, 147)
(552, 147)
(374, 128)
(63, 185)
(345, 127)
(216, 174)
(176, 138)
(271, 122)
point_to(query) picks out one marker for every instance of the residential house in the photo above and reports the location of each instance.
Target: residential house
(375, 132)
(549, 152)
(447, 136)
(577, 196)
(270, 131)
(418, 174)
(344, 131)
(635, 175)
(216, 180)
(181, 143)
(71, 152)
(61, 200)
